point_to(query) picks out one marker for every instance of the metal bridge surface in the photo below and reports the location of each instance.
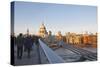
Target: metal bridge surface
(85, 53)
(50, 54)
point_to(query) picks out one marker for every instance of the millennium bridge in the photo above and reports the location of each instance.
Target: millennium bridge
(43, 54)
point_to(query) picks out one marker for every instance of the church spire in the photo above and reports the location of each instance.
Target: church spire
(27, 31)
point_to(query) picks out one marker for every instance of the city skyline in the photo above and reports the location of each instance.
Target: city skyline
(56, 17)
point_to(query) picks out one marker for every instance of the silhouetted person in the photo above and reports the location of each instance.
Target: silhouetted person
(36, 40)
(20, 46)
(28, 45)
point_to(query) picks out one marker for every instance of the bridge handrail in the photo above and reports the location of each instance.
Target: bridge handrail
(50, 54)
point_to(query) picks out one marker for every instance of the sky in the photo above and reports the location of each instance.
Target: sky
(56, 17)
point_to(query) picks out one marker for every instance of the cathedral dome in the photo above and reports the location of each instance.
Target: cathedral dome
(42, 30)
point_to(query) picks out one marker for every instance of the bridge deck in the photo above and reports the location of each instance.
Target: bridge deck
(50, 54)
(85, 53)
(41, 53)
(34, 59)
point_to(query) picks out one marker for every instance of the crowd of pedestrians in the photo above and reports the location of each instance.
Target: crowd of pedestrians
(25, 44)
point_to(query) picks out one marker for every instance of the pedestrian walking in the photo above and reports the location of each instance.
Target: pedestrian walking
(28, 43)
(20, 46)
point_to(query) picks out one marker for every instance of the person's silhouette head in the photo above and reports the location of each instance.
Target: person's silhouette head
(20, 34)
